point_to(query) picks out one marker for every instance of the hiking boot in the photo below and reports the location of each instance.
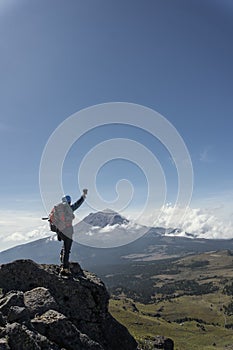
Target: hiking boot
(65, 272)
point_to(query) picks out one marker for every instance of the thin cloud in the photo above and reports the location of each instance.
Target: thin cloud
(206, 156)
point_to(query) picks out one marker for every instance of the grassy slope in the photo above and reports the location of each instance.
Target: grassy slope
(186, 335)
(205, 320)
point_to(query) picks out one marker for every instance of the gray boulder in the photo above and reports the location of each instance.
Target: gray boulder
(41, 310)
(2, 320)
(18, 314)
(21, 338)
(39, 300)
(59, 329)
(164, 343)
(13, 298)
(4, 344)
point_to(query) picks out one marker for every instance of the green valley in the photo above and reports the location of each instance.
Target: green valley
(187, 299)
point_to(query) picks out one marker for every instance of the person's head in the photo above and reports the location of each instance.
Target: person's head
(66, 199)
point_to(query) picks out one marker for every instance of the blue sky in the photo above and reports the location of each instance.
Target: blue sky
(58, 57)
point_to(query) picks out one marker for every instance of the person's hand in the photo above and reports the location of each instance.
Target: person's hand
(85, 192)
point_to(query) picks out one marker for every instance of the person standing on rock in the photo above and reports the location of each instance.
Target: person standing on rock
(61, 218)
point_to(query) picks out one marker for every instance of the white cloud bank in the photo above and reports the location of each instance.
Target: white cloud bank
(203, 223)
(108, 236)
(18, 227)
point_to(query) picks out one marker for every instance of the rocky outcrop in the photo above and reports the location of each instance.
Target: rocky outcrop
(161, 342)
(40, 310)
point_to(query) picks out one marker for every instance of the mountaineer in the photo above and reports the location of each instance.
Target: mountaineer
(60, 219)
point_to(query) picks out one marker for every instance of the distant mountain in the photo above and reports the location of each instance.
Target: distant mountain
(151, 243)
(104, 218)
(106, 229)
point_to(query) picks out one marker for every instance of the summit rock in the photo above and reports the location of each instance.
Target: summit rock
(41, 310)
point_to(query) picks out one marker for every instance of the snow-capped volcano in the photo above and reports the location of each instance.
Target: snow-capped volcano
(106, 229)
(104, 218)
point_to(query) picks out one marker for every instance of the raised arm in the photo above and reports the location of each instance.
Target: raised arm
(80, 201)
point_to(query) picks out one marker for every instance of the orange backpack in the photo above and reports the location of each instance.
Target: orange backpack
(61, 217)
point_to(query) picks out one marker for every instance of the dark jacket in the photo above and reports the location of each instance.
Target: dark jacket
(78, 203)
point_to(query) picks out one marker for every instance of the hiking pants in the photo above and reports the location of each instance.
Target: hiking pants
(67, 243)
